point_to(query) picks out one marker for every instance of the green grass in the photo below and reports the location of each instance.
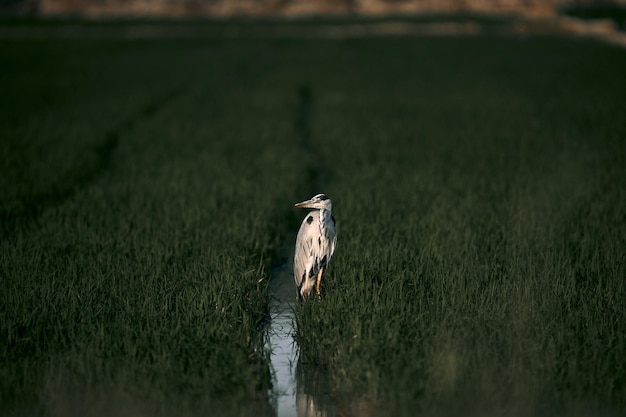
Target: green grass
(478, 184)
(137, 229)
(481, 253)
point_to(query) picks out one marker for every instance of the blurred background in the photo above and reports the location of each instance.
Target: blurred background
(100, 8)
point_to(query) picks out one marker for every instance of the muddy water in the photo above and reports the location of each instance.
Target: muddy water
(298, 388)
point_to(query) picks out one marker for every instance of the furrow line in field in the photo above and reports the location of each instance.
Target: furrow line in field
(96, 163)
(290, 376)
(319, 174)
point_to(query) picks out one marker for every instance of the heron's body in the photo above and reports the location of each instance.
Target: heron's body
(315, 245)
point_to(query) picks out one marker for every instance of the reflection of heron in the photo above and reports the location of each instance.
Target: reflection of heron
(315, 396)
(313, 393)
(315, 245)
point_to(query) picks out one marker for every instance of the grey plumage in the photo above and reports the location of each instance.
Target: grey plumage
(315, 245)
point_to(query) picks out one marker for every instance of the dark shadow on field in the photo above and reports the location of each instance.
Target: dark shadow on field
(95, 163)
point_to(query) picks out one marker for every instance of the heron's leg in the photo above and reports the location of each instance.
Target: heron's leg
(319, 280)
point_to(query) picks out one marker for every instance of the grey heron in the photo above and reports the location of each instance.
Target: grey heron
(315, 245)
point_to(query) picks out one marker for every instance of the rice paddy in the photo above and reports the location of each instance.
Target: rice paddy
(479, 185)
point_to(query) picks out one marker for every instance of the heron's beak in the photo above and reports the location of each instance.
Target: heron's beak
(304, 204)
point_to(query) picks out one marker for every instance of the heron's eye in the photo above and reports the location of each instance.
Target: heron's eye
(323, 197)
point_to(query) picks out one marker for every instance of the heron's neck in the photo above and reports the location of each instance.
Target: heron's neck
(325, 215)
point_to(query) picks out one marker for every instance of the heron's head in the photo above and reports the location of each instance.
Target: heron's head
(320, 201)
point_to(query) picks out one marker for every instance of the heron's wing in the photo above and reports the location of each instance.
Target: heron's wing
(333, 237)
(304, 253)
(301, 258)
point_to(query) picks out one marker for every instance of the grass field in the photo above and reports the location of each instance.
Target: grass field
(480, 194)
(479, 185)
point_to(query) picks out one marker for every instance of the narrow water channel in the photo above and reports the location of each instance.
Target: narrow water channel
(284, 360)
(297, 387)
(300, 389)
(284, 352)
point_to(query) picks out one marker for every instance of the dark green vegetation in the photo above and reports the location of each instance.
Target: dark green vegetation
(480, 190)
(140, 203)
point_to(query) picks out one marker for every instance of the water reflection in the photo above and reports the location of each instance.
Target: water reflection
(299, 389)
(313, 397)
(283, 356)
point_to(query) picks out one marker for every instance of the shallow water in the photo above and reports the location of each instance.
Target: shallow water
(297, 387)
(283, 357)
